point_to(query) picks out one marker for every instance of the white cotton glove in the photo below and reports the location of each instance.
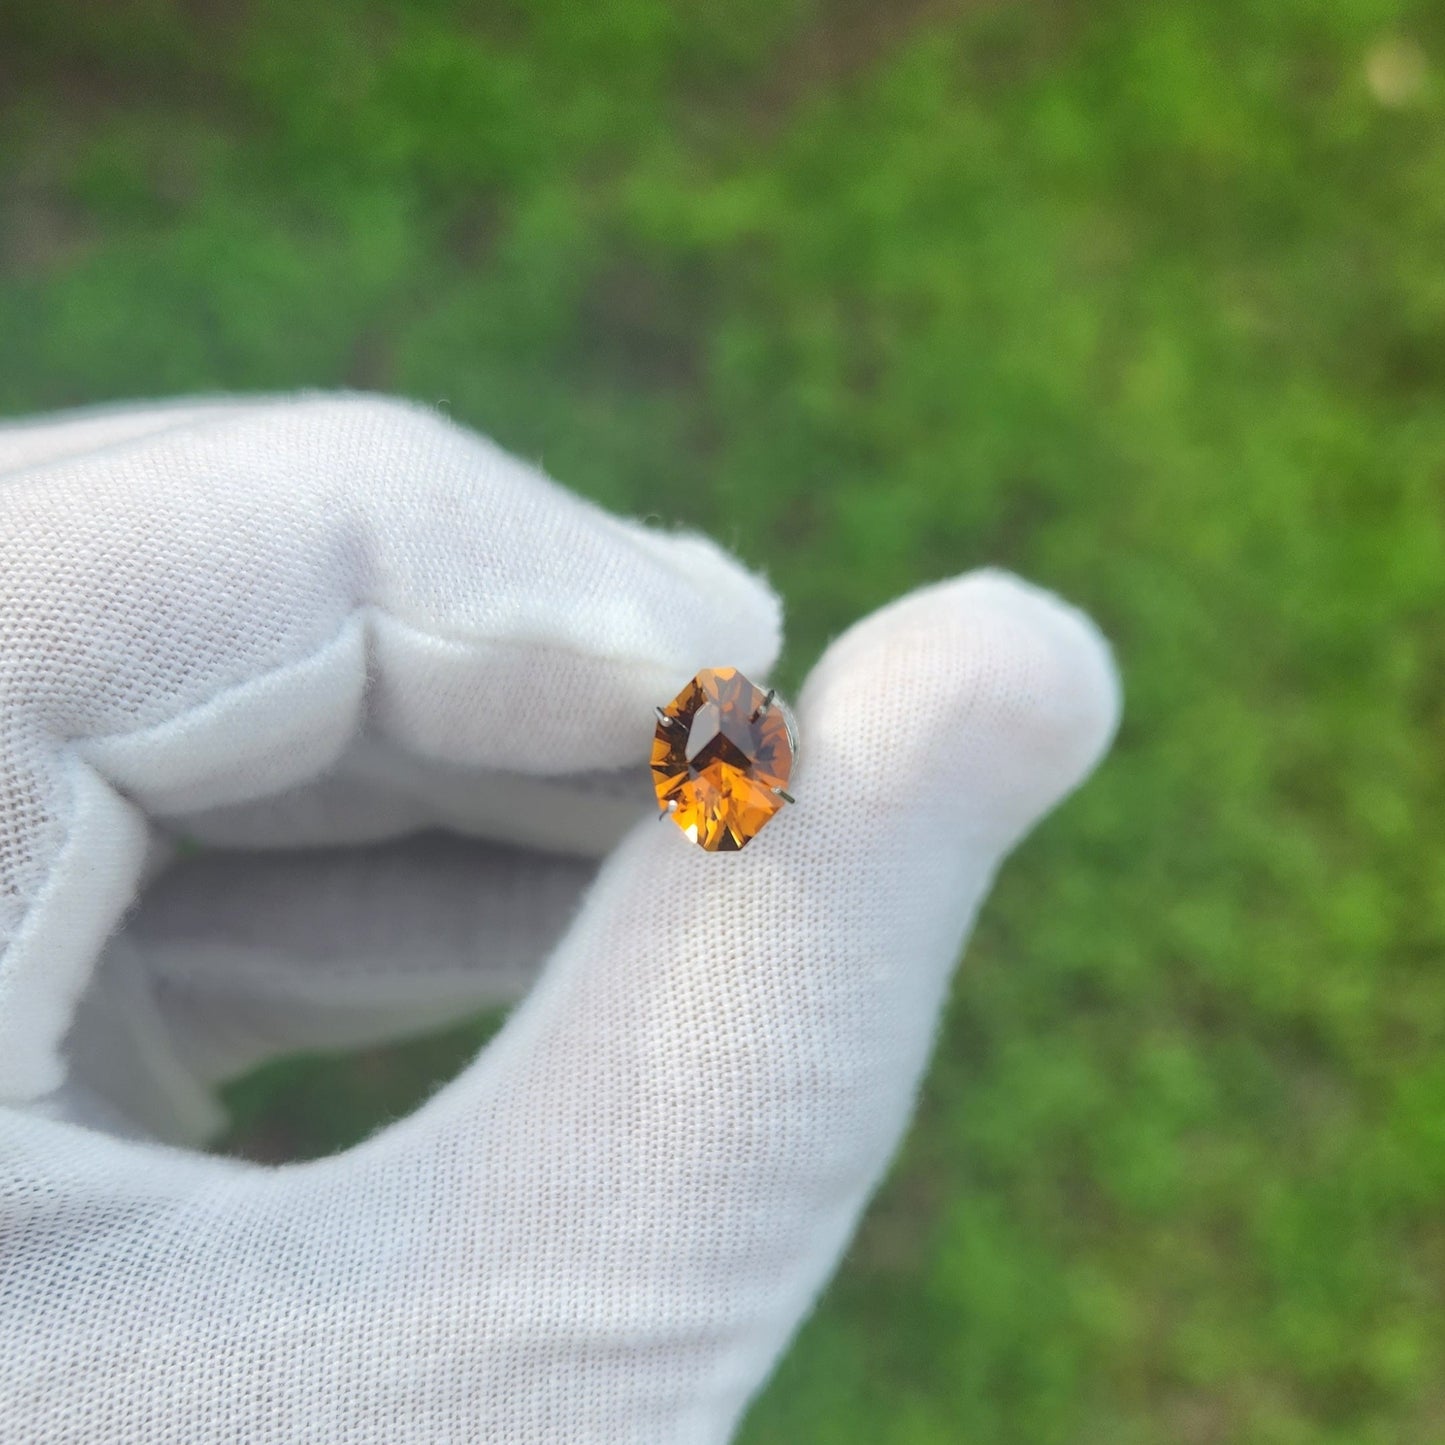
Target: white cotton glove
(284, 628)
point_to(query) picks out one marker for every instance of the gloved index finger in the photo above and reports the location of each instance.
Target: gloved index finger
(505, 622)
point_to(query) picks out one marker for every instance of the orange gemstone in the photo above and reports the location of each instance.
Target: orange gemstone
(721, 759)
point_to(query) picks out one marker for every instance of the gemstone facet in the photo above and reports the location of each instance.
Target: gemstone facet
(721, 759)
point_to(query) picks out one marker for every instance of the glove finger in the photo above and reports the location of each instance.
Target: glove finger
(505, 622)
(231, 960)
(376, 791)
(261, 953)
(712, 1072)
(212, 613)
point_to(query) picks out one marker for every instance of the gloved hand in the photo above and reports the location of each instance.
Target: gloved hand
(282, 629)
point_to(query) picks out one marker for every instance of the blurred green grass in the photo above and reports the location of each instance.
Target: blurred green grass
(1144, 300)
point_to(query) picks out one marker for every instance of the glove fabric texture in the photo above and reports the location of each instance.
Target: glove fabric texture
(317, 715)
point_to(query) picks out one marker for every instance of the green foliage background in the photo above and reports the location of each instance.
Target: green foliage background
(1144, 299)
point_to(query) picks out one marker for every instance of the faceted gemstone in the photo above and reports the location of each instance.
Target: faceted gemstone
(721, 759)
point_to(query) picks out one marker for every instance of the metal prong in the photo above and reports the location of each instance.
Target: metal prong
(764, 705)
(664, 719)
(786, 796)
(671, 808)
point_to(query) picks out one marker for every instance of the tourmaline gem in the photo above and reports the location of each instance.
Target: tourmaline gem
(722, 753)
